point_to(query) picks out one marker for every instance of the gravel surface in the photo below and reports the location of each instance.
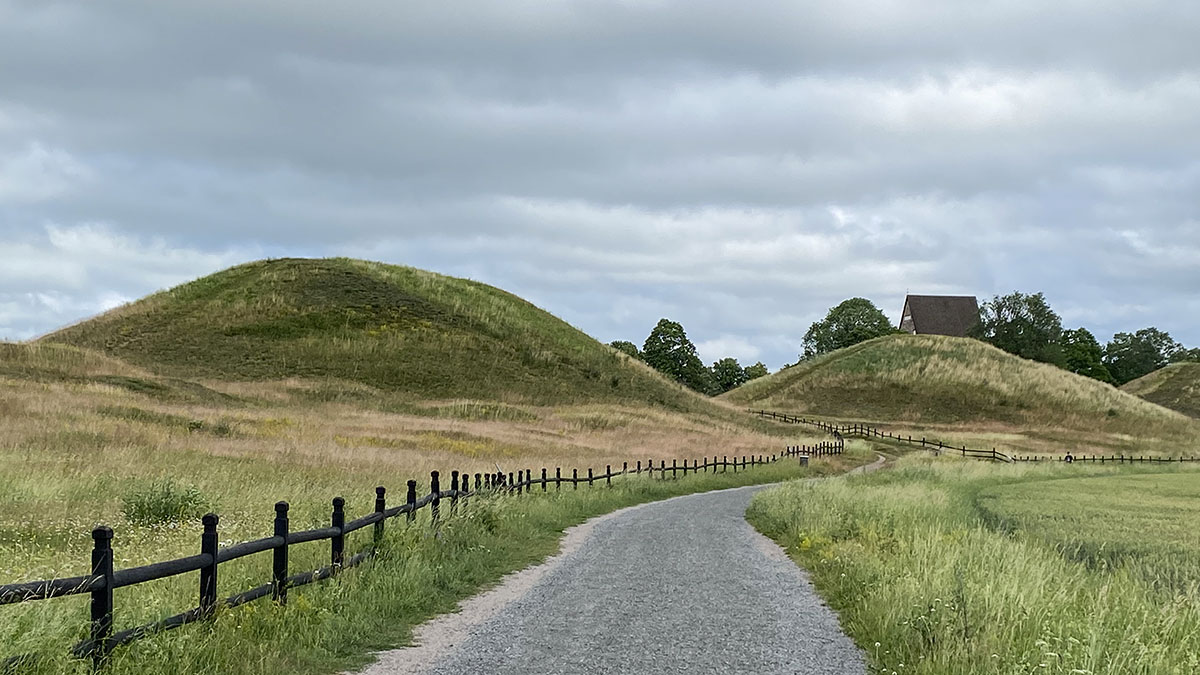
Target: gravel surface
(679, 586)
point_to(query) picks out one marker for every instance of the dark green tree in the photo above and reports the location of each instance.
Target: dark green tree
(727, 374)
(853, 321)
(1131, 355)
(1083, 355)
(626, 347)
(756, 371)
(1184, 356)
(669, 351)
(1023, 325)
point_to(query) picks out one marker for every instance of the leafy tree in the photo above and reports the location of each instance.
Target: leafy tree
(1130, 356)
(727, 374)
(1023, 325)
(1083, 355)
(669, 351)
(1182, 356)
(756, 371)
(855, 320)
(626, 347)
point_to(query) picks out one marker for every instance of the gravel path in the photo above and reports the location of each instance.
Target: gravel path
(679, 586)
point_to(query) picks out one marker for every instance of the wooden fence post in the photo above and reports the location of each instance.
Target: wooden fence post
(337, 544)
(380, 507)
(608, 475)
(543, 479)
(102, 598)
(557, 478)
(279, 562)
(208, 573)
(435, 489)
(589, 476)
(574, 479)
(478, 481)
(411, 499)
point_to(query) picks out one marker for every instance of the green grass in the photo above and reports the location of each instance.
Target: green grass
(391, 328)
(934, 379)
(335, 625)
(949, 567)
(1176, 387)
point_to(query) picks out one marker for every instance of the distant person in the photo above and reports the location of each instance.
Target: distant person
(1069, 458)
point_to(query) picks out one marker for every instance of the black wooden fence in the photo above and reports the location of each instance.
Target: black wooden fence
(104, 579)
(867, 431)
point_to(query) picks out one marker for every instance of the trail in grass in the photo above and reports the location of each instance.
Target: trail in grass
(682, 585)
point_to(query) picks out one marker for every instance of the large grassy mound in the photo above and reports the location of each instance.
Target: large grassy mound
(398, 329)
(1176, 387)
(936, 379)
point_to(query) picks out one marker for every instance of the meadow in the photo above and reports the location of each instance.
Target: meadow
(91, 440)
(948, 566)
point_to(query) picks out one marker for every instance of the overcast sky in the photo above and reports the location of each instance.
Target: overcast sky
(737, 167)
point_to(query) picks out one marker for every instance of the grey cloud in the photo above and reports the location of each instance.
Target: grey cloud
(737, 167)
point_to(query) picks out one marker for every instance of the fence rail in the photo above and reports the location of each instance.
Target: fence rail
(867, 431)
(104, 579)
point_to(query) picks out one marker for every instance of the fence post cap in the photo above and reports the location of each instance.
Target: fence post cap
(412, 483)
(102, 533)
(210, 520)
(380, 491)
(281, 508)
(338, 502)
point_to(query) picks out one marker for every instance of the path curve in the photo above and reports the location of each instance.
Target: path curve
(683, 585)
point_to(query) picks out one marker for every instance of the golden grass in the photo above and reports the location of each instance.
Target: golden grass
(71, 448)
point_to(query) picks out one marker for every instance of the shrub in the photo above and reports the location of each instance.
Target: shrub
(163, 501)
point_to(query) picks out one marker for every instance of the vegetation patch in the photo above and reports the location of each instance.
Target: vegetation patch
(395, 329)
(947, 567)
(163, 501)
(940, 380)
(479, 410)
(1176, 387)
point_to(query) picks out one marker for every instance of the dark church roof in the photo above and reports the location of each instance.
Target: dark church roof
(940, 314)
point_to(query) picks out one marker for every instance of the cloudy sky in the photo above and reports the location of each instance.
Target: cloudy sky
(738, 167)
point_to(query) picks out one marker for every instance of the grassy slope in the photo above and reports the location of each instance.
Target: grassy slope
(933, 379)
(1176, 387)
(397, 329)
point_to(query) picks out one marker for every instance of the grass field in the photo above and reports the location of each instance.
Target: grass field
(965, 391)
(944, 566)
(1176, 387)
(336, 624)
(88, 439)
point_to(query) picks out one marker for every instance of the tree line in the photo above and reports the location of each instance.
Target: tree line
(669, 351)
(1020, 324)
(1025, 325)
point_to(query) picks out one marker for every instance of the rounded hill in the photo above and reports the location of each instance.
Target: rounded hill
(1176, 387)
(396, 328)
(935, 379)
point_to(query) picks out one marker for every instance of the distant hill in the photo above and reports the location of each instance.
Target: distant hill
(398, 329)
(935, 379)
(1176, 387)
